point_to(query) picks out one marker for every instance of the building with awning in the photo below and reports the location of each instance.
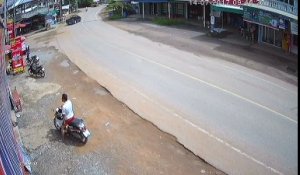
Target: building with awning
(227, 8)
(174, 9)
(153, 7)
(226, 16)
(28, 15)
(277, 23)
(17, 3)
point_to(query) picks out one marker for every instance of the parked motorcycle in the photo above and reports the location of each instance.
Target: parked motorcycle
(31, 60)
(77, 128)
(36, 70)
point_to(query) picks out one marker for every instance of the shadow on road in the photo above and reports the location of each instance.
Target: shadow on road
(55, 136)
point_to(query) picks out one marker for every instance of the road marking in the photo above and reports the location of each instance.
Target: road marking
(248, 74)
(198, 79)
(212, 85)
(243, 72)
(197, 127)
(185, 120)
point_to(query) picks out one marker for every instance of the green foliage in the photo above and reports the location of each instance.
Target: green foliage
(167, 22)
(115, 17)
(115, 6)
(73, 3)
(84, 3)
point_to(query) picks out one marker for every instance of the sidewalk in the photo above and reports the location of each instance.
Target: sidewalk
(233, 37)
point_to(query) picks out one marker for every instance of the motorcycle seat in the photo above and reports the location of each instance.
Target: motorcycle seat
(76, 122)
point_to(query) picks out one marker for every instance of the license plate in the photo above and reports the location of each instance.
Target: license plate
(86, 133)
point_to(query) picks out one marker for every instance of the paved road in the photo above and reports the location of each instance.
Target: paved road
(237, 119)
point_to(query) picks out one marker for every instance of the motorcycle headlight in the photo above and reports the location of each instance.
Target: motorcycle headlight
(81, 125)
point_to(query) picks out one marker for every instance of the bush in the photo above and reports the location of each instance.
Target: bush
(115, 16)
(167, 22)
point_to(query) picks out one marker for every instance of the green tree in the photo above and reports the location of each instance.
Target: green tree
(85, 3)
(117, 6)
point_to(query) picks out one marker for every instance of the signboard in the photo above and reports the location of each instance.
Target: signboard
(281, 24)
(10, 30)
(294, 28)
(16, 51)
(212, 20)
(224, 2)
(265, 18)
(233, 2)
(16, 48)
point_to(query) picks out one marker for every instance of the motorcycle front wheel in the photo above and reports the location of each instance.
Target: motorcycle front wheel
(42, 73)
(83, 139)
(54, 122)
(30, 72)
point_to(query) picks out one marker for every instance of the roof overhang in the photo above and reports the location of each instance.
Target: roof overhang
(19, 2)
(227, 8)
(273, 10)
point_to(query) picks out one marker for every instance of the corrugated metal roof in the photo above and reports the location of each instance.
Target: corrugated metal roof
(15, 3)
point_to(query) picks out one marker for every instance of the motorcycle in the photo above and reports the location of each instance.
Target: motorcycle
(31, 60)
(77, 128)
(36, 70)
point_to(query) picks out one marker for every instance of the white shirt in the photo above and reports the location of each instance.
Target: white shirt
(67, 110)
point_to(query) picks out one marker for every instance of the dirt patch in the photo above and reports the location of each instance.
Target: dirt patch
(32, 90)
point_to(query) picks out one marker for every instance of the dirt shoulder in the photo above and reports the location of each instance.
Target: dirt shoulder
(121, 141)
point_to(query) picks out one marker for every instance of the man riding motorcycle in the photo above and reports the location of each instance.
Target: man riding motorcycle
(67, 112)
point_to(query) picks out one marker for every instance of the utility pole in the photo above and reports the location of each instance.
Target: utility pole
(204, 15)
(5, 22)
(75, 5)
(60, 10)
(14, 28)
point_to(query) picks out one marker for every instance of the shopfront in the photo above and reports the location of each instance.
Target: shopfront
(273, 28)
(227, 15)
(195, 11)
(153, 7)
(294, 40)
(178, 9)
